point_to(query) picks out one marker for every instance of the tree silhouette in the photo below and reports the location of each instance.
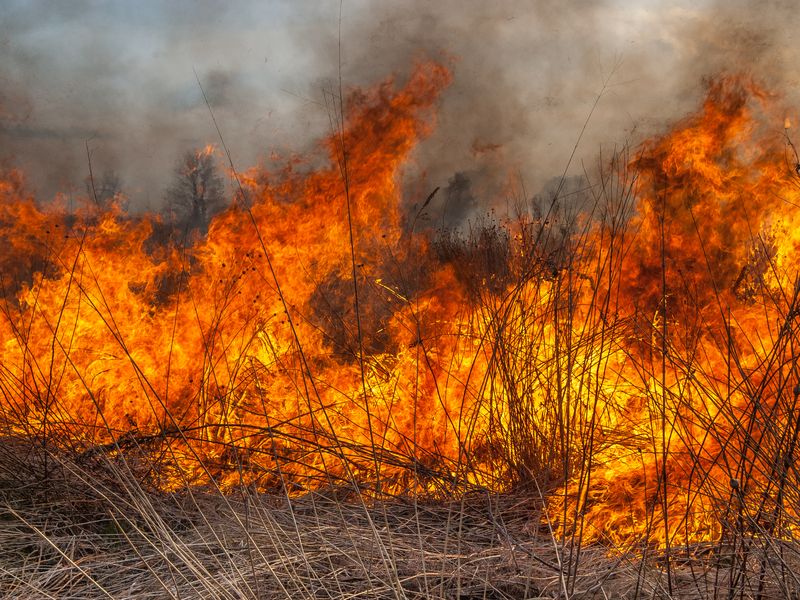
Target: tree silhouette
(105, 190)
(198, 191)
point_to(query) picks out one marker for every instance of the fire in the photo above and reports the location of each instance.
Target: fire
(242, 349)
(642, 366)
(709, 287)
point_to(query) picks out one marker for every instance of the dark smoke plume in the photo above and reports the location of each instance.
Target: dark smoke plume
(527, 74)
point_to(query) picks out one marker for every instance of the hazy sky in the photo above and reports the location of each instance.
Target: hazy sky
(526, 74)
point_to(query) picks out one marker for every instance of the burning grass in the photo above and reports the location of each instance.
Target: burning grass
(316, 400)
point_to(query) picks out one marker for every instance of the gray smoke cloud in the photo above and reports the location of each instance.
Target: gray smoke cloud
(120, 75)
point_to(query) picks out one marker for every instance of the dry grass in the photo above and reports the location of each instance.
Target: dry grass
(95, 534)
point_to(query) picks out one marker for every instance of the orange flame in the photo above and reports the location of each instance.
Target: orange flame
(644, 365)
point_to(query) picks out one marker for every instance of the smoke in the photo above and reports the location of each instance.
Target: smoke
(120, 76)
